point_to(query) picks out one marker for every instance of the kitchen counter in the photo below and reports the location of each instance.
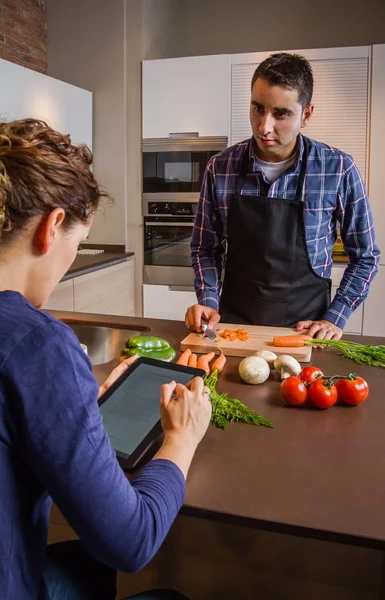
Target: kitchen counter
(88, 263)
(317, 474)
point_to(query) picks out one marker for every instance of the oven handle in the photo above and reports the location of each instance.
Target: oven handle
(171, 223)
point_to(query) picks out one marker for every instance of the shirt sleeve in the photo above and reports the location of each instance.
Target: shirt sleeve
(358, 237)
(206, 251)
(62, 438)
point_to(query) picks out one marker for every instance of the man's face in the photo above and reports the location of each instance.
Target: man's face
(276, 118)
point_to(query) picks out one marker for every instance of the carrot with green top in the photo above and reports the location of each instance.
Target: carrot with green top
(290, 341)
(184, 358)
(204, 361)
(219, 362)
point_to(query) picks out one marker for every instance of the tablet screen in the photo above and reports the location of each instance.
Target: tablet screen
(133, 410)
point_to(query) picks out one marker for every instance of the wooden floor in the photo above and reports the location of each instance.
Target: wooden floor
(212, 561)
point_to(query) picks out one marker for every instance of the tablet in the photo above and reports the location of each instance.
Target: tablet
(131, 407)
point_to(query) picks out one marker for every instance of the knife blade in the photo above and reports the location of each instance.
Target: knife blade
(210, 333)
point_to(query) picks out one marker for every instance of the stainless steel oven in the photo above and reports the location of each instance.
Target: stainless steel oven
(173, 167)
(167, 236)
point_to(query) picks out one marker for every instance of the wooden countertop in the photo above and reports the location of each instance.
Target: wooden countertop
(318, 473)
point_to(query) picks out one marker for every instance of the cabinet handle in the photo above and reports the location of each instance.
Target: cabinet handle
(181, 288)
(183, 135)
(169, 224)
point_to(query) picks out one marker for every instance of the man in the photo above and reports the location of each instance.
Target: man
(268, 213)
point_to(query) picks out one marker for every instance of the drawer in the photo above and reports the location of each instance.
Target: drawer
(167, 302)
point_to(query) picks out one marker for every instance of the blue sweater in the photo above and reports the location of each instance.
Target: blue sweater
(53, 445)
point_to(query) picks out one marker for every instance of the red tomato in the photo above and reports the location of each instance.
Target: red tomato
(322, 395)
(352, 391)
(293, 391)
(309, 374)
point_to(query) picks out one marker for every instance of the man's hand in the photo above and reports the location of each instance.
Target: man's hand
(115, 374)
(321, 330)
(194, 315)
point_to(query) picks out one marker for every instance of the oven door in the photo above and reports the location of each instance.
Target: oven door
(167, 258)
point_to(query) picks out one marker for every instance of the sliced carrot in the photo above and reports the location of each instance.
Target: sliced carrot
(192, 361)
(290, 341)
(204, 361)
(219, 363)
(184, 357)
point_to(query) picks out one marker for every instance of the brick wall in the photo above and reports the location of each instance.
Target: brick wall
(23, 33)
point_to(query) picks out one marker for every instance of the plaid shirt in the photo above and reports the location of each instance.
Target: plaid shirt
(333, 192)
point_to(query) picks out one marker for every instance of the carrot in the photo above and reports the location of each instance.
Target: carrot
(204, 360)
(290, 341)
(192, 361)
(219, 363)
(184, 357)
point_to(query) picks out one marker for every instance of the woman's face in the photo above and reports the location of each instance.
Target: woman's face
(58, 259)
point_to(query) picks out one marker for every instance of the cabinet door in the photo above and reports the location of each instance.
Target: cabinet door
(374, 322)
(377, 136)
(62, 298)
(186, 95)
(109, 291)
(167, 302)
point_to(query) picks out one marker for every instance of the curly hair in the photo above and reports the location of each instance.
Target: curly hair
(290, 70)
(41, 170)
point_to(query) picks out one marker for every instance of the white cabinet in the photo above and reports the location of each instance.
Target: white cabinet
(109, 291)
(377, 153)
(62, 298)
(167, 302)
(186, 95)
(26, 93)
(374, 322)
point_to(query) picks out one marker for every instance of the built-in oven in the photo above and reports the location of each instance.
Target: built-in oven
(167, 236)
(173, 168)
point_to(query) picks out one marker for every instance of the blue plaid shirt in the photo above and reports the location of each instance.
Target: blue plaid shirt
(333, 192)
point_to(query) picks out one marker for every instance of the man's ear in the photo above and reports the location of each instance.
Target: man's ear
(48, 230)
(307, 113)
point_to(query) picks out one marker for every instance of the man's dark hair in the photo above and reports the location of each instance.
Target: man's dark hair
(290, 70)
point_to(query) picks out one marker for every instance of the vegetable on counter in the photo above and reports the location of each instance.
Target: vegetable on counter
(192, 361)
(204, 361)
(293, 391)
(287, 366)
(359, 353)
(226, 410)
(323, 391)
(148, 346)
(184, 358)
(219, 363)
(254, 370)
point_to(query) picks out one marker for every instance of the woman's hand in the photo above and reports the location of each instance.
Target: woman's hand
(185, 413)
(115, 374)
(185, 410)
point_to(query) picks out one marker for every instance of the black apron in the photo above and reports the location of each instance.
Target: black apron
(268, 276)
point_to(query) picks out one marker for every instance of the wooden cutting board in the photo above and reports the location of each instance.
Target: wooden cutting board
(261, 338)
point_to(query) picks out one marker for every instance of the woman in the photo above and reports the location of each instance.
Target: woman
(52, 440)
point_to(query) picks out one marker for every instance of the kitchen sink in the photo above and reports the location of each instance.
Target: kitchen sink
(104, 343)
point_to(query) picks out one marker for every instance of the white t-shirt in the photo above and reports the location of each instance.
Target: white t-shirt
(273, 170)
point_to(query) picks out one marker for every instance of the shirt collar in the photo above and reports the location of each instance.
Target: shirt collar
(300, 149)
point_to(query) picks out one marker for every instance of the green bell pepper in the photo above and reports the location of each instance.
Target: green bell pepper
(147, 342)
(152, 347)
(166, 354)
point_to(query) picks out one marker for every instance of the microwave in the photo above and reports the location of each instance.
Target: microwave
(173, 167)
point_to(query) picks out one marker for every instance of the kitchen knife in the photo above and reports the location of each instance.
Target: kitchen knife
(210, 333)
